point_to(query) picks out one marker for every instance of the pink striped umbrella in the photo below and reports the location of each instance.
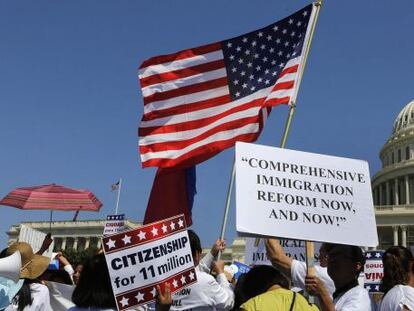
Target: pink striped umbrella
(52, 197)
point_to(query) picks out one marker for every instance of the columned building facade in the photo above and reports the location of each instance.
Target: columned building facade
(76, 235)
(393, 185)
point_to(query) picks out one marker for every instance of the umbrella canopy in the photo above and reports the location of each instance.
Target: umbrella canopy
(52, 197)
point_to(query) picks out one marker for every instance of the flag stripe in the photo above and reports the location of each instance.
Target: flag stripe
(185, 90)
(187, 99)
(170, 112)
(191, 125)
(199, 155)
(176, 145)
(224, 135)
(180, 64)
(173, 136)
(161, 88)
(181, 54)
(181, 73)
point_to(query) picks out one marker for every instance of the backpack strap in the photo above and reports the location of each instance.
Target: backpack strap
(293, 301)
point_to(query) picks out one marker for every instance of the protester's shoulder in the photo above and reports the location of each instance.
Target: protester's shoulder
(204, 277)
(39, 287)
(357, 298)
(398, 294)
(297, 264)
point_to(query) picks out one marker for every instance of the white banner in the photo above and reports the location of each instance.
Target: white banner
(151, 255)
(303, 196)
(35, 239)
(256, 254)
(114, 224)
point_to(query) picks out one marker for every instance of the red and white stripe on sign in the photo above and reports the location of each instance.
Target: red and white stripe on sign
(143, 235)
(146, 294)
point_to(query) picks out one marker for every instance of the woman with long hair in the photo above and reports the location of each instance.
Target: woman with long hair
(398, 280)
(33, 295)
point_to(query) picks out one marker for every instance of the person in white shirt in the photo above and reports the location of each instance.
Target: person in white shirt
(398, 280)
(208, 293)
(297, 269)
(345, 262)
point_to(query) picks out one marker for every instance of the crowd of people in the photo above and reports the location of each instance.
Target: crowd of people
(284, 285)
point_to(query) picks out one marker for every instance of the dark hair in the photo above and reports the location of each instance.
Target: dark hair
(23, 297)
(352, 252)
(396, 261)
(257, 281)
(94, 287)
(59, 276)
(195, 243)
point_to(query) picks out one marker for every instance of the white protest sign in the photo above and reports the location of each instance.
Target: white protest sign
(373, 270)
(256, 254)
(114, 224)
(151, 255)
(303, 196)
(35, 239)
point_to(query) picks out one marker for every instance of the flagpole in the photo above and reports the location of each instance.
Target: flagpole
(117, 196)
(292, 105)
(318, 5)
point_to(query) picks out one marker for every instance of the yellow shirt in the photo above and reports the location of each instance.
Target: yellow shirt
(279, 299)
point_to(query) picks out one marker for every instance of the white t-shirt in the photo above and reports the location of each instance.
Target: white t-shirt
(60, 296)
(397, 297)
(355, 299)
(298, 275)
(40, 299)
(207, 293)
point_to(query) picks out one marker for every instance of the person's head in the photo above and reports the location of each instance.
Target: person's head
(195, 245)
(398, 265)
(77, 272)
(94, 287)
(33, 265)
(345, 262)
(323, 254)
(257, 281)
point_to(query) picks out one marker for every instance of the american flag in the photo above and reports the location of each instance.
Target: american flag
(200, 101)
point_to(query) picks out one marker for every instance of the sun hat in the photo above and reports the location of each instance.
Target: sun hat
(33, 265)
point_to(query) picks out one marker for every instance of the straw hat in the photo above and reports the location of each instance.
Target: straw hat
(33, 265)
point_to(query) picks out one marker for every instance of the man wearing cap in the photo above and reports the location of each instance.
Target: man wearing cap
(345, 262)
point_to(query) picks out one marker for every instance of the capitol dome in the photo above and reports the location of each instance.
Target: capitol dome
(405, 118)
(393, 185)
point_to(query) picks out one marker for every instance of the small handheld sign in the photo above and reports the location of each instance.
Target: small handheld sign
(114, 224)
(373, 270)
(151, 255)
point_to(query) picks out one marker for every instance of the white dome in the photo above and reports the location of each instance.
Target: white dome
(405, 118)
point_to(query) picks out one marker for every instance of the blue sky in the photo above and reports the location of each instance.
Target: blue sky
(70, 104)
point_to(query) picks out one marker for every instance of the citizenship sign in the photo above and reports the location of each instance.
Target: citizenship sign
(151, 255)
(304, 196)
(114, 224)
